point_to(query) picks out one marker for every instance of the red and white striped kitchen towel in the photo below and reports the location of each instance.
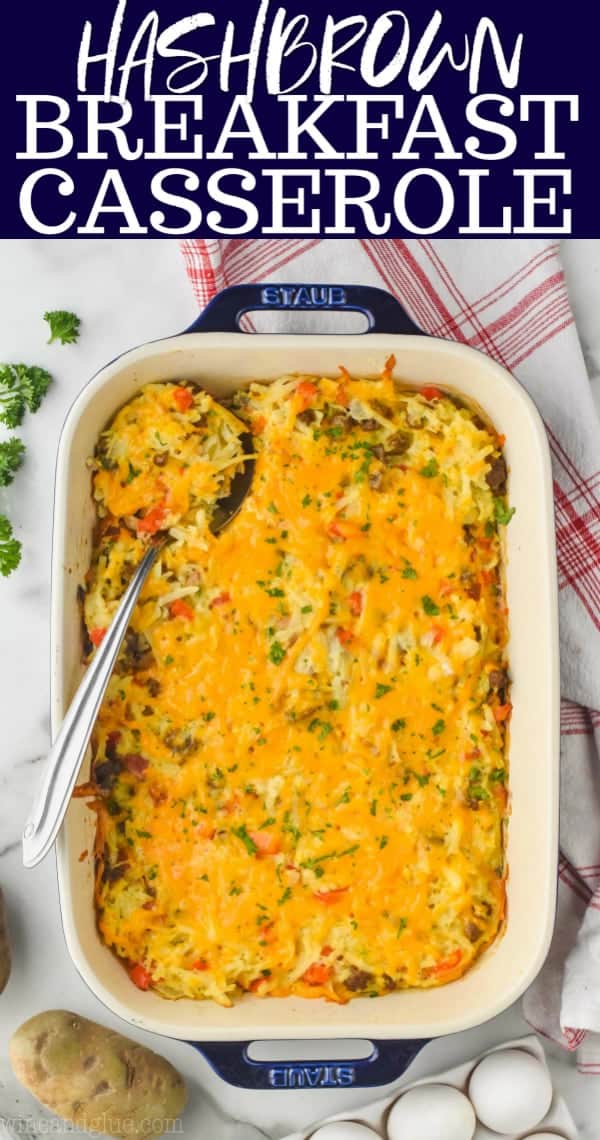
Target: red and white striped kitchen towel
(507, 298)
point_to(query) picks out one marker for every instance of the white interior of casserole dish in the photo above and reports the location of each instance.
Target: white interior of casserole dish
(222, 362)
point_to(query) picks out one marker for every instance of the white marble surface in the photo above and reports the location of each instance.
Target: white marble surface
(128, 292)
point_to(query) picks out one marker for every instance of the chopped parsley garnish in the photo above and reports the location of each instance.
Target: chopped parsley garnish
(438, 727)
(132, 473)
(287, 894)
(289, 827)
(408, 572)
(477, 792)
(381, 690)
(323, 726)
(312, 864)
(398, 724)
(475, 789)
(242, 834)
(430, 469)
(502, 512)
(403, 923)
(306, 501)
(276, 653)
(430, 606)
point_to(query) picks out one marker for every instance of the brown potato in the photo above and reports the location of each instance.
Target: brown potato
(4, 946)
(96, 1078)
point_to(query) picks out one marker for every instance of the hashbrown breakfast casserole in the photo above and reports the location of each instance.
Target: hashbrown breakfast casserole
(299, 769)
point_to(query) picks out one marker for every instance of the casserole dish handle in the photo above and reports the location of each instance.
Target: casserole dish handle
(387, 1061)
(383, 312)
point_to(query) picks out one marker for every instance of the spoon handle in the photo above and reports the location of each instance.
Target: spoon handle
(67, 753)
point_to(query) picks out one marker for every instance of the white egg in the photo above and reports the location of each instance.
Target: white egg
(511, 1091)
(344, 1130)
(429, 1112)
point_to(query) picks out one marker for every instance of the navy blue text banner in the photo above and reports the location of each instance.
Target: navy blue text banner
(347, 118)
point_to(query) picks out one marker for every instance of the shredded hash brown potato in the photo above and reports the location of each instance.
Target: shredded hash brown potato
(300, 766)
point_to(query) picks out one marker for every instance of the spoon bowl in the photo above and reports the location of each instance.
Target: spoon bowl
(230, 505)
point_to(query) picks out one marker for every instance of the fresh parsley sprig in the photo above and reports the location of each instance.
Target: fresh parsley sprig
(12, 452)
(22, 387)
(10, 548)
(64, 326)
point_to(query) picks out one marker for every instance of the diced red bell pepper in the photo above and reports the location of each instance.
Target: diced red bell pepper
(341, 394)
(305, 394)
(343, 528)
(153, 521)
(205, 829)
(317, 974)
(430, 392)
(183, 399)
(140, 977)
(182, 609)
(344, 636)
(446, 964)
(97, 636)
(355, 602)
(330, 897)
(389, 366)
(221, 599)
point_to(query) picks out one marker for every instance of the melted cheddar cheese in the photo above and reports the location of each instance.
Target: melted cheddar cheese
(300, 764)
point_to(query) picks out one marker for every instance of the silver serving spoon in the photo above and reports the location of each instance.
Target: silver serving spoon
(67, 753)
